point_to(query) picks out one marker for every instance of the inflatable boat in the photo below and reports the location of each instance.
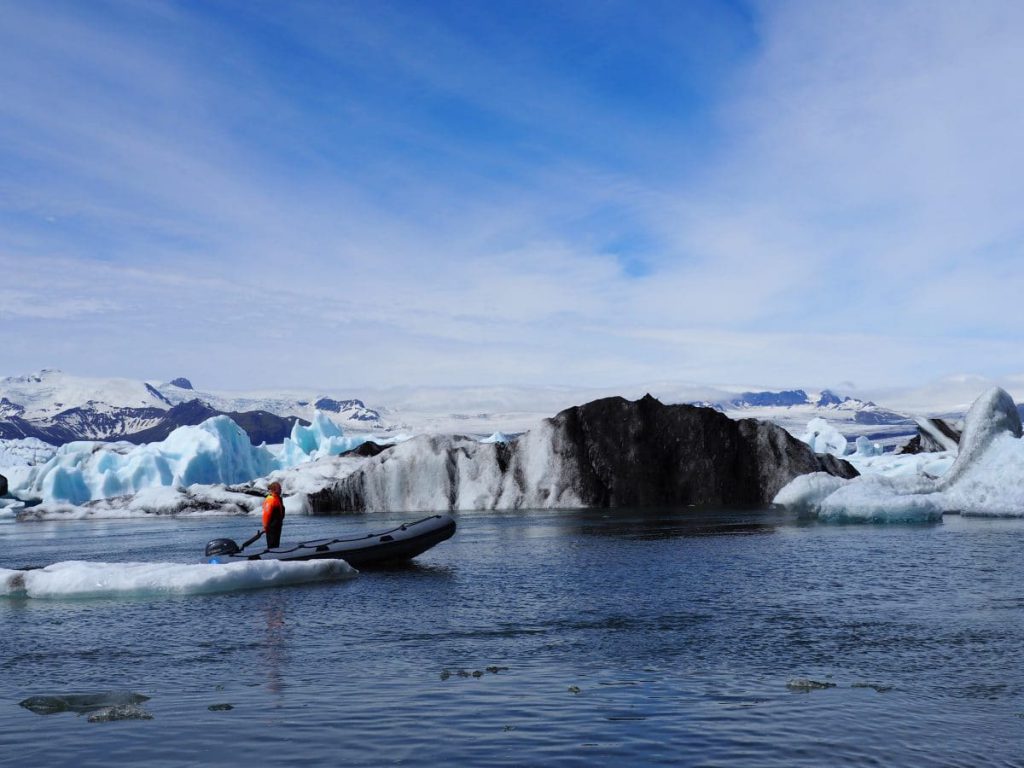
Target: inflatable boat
(384, 547)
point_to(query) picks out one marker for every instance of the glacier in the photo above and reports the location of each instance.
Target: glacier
(985, 477)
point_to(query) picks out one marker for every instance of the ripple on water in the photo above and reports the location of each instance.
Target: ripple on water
(566, 641)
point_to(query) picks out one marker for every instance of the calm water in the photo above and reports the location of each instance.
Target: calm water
(626, 638)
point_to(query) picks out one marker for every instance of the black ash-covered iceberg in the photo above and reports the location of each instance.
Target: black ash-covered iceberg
(607, 453)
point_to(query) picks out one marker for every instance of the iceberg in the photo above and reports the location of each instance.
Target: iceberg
(607, 453)
(824, 438)
(864, 447)
(215, 452)
(986, 477)
(80, 579)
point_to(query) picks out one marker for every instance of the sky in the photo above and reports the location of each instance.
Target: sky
(591, 194)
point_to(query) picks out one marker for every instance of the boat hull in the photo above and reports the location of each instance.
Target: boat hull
(396, 545)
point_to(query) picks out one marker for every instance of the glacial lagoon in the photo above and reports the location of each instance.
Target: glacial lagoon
(626, 637)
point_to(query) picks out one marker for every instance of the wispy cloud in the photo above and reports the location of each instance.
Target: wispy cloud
(786, 193)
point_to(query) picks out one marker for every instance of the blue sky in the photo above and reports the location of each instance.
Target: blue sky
(586, 194)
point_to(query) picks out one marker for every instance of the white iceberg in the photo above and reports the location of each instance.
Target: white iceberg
(80, 579)
(986, 478)
(824, 438)
(864, 447)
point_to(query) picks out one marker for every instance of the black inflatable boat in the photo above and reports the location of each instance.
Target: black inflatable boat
(392, 546)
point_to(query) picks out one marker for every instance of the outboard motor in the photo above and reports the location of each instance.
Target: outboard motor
(221, 547)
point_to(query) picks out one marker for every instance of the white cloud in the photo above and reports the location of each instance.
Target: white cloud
(857, 218)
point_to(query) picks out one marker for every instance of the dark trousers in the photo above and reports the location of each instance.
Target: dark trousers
(274, 534)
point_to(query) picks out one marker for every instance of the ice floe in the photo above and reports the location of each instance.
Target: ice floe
(81, 579)
(985, 478)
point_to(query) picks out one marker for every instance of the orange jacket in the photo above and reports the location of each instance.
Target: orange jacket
(273, 510)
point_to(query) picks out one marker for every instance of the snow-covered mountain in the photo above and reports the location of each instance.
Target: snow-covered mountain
(349, 413)
(44, 396)
(58, 407)
(794, 409)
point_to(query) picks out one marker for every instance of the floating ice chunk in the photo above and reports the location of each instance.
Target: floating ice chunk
(321, 438)
(878, 499)
(497, 437)
(864, 447)
(824, 438)
(805, 685)
(806, 492)
(992, 414)
(119, 712)
(196, 500)
(9, 508)
(78, 579)
(986, 478)
(919, 465)
(993, 484)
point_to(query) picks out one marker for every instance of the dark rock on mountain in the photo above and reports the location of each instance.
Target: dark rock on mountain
(828, 397)
(3, 485)
(881, 416)
(932, 435)
(181, 383)
(354, 410)
(369, 448)
(81, 423)
(261, 426)
(607, 453)
(9, 409)
(16, 428)
(265, 427)
(158, 394)
(186, 414)
(762, 399)
(88, 423)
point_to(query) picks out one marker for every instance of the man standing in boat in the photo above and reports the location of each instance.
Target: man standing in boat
(273, 515)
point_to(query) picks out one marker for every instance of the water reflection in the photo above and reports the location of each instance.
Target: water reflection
(274, 639)
(669, 523)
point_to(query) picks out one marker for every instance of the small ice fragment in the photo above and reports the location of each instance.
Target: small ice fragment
(806, 685)
(119, 712)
